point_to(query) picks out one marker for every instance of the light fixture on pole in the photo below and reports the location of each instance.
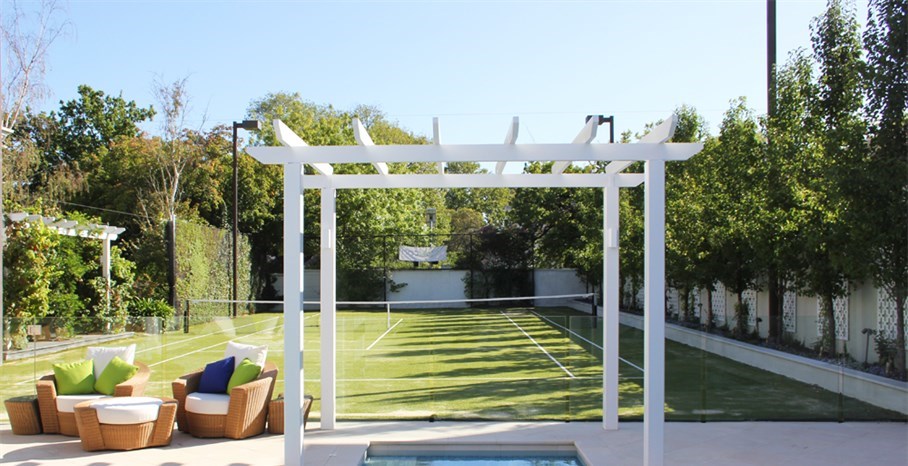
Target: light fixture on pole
(248, 125)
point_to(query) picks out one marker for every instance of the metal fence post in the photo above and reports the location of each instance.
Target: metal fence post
(186, 318)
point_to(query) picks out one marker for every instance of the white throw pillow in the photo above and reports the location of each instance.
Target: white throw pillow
(102, 355)
(240, 351)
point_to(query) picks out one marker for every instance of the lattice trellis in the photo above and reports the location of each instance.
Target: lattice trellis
(719, 304)
(886, 318)
(790, 311)
(696, 301)
(750, 299)
(840, 312)
(673, 304)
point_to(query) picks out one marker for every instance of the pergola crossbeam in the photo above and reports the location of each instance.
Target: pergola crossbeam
(475, 153)
(362, 138)
(449, 180)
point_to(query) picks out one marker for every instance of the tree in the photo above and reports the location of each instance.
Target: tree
(31, 269)
(73, 141)
(22, 79)
(791, 143)
(686, 226)
(826, 182)
(734, 195)
(884, 181)
(364, 217)
(180, 150)
(26, 53)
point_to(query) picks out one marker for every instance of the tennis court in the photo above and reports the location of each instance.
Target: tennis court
(507, 363)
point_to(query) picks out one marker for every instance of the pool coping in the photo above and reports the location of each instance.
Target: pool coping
(414, 448)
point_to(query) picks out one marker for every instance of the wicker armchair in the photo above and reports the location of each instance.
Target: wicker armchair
(246, 414)
(61, 422)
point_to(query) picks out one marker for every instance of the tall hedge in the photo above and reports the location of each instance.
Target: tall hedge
(204, 267)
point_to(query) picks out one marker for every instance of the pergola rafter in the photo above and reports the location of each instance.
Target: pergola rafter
(652, 150)
(510, 138)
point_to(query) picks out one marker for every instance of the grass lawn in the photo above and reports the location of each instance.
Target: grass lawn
(503, 364)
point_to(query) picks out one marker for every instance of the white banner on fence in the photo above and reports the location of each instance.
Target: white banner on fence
(421, 254)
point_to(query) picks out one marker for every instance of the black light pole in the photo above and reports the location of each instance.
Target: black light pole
(248, 125)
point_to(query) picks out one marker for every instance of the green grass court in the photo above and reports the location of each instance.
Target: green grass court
(500, 364)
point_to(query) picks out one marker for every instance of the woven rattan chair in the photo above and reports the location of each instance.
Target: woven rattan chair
(97, 436)
(245, 416)
(57, 422)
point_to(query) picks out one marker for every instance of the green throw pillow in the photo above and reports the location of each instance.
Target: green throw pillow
(246, 372)
(75, 378)
(116, 372)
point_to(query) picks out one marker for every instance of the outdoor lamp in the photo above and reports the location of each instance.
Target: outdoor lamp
(248, 125)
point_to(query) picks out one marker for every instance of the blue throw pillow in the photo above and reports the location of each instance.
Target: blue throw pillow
(216, 376)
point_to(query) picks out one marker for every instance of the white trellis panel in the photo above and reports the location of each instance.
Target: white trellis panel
(719, 304)
(673, 304)
(840, 312)
(886, 318)
(750, 299)
(790, 311)
(696, 302)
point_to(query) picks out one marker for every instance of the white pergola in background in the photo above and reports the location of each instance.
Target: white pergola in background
(105, 233)
(652, 149)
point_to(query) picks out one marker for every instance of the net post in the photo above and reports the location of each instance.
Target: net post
(388, 311)
(594, 312)
(186, 318)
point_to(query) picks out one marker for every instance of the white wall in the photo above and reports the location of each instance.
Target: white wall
(434, 284)
(862, 313)
(443, 284)
(551, 282)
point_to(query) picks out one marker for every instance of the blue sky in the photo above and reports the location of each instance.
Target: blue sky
(473, 64)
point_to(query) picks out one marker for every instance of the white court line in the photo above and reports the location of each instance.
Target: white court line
(206, 335)
(539, 346)
(383, 335)
(439, 379)
(586, 340)
(202, 349)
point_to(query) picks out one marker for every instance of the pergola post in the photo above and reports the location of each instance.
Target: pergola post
(611, 288)
(654, 313)
(328, 308)
(105, 268)
(293, 309)
(652, 149)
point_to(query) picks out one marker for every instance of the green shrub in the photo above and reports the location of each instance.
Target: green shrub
(150, 307)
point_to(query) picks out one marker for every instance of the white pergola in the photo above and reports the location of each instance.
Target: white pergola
(105, 233)
(652, 149)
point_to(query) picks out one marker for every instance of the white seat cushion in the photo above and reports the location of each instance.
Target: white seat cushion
(240, 351)
(127, 409)
(208, 403)
(67, 403)
(101, 355)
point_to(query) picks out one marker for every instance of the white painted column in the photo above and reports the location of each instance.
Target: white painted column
(105, 269)
(105, 260)
(610, 294)
(328, 308)
(654, 313)
(293, 309)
